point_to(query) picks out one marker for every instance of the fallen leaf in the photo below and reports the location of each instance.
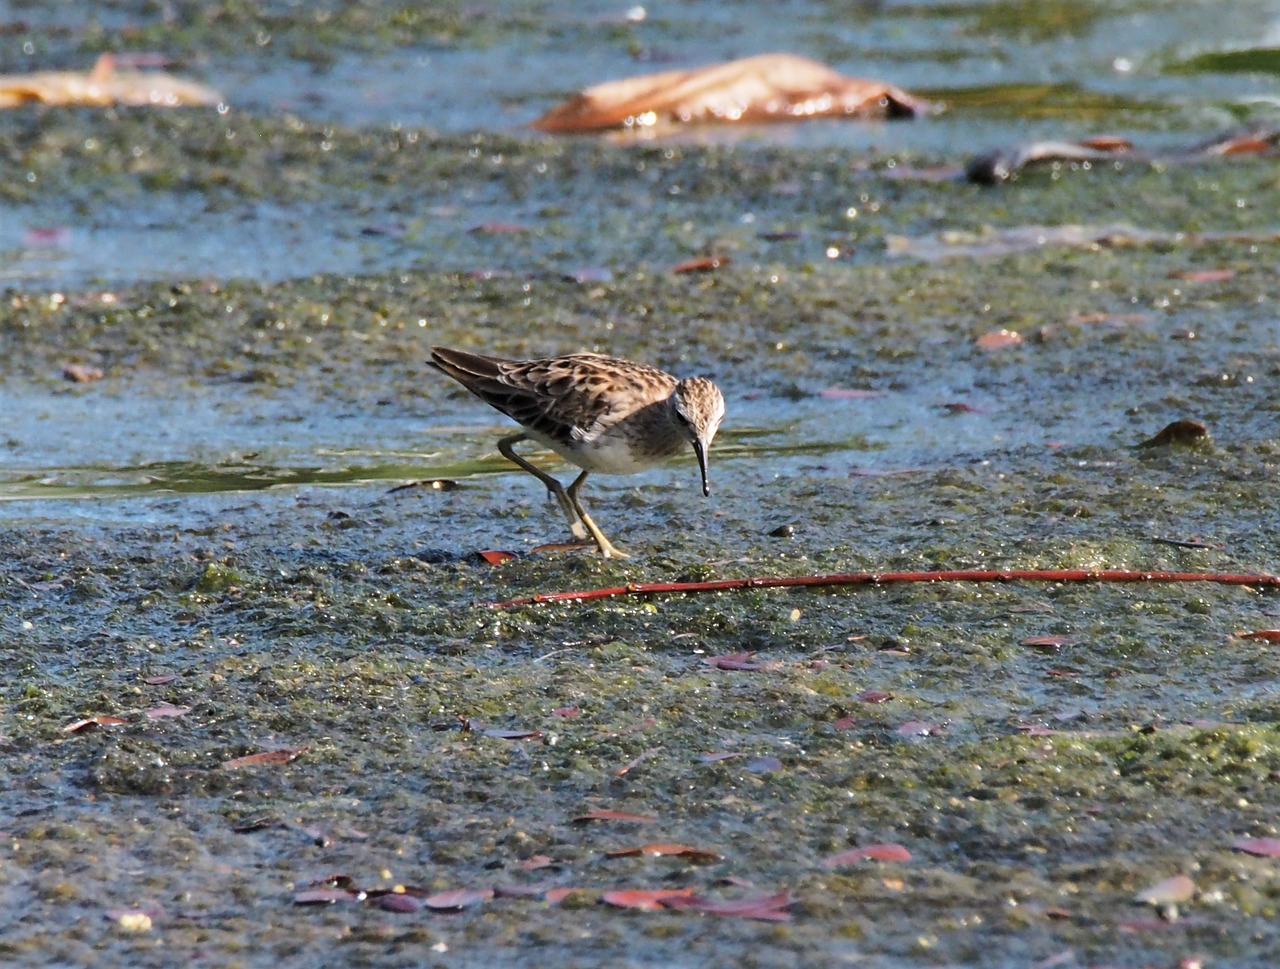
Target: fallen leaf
(850, 393)
(844, 723)
(566, 712)
(646, 900)
(325, 896)
(50, 237)
(458, 898)
(1048, 643)
(1270, 635)
(733, 661)
(498, 229)
(603, 814)
(513, 734)
(495, 556)
(80, 374)
(1178, 888)
(166, 710)
(701, 264)
(162, 679)
(963, 408)
(768, 908)
(997, 339)
(1262, 847)
(918, 728)
(285, 755)
(399, 902)
(103, 86)
(661, 850)
(91, 723)
(874, 696)
(554, 896)
(1179, 432)
(715, 758)
(535, 862)
(767, 87)
(1203, 275)
(880, 852)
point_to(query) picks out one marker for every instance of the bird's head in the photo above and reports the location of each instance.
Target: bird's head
(698, 409)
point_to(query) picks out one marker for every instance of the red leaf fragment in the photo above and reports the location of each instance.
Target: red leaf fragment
(1203, 275)
(850, 393)
(963, 408)
(701, 264)
(733, 661)
(997, 339)
(497, 229)
(1262, 847)
(918, 728)
(554, 896)
(399, 902)
(661, 850)
(90, 723)
(1047, 643)
(78, 373)
(566, 712)
(161, 680)
(513, 734)
(1270, 635)
(166, 710)
(603, 814)
(768, 908)
(844, 723)
(646, 900)
(458, 898)
(324, 896)
(874, 696)
(1182, 432)
(286, 755)
(535, 862)
(880, 852)
(495, 556)
(1178, 888)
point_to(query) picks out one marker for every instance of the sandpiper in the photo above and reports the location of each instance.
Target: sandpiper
(600, 413)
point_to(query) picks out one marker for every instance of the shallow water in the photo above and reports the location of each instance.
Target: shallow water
(217, 523)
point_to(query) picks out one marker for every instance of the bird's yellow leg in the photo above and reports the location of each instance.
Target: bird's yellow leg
(577, 522)
(607, 548)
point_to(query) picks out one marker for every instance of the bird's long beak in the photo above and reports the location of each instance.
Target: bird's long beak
(701, 451)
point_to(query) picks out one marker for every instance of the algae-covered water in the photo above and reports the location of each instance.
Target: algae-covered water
(211, 543)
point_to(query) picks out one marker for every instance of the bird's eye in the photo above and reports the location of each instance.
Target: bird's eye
(682, 418)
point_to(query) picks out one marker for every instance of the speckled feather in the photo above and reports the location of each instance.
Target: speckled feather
(602, 413)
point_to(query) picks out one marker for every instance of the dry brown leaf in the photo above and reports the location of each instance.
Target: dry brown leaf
(286, 755)
(660, 850)
(768, 87)
(91, 723)
(103, 86)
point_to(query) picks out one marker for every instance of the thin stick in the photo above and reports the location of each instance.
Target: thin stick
(894, 578)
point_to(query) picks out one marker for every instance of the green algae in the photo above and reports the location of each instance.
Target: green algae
(352, 622)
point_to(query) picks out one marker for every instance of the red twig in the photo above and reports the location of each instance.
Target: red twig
(888, 578)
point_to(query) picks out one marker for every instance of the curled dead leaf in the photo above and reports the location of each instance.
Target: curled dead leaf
(1182, 432)
(661, 850)
(878, 852)
(768, 87)
(285, 755)
(646, 900)
(91, 723)
(458, 898)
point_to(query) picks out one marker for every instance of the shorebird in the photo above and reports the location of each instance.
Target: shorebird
(601, 413)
